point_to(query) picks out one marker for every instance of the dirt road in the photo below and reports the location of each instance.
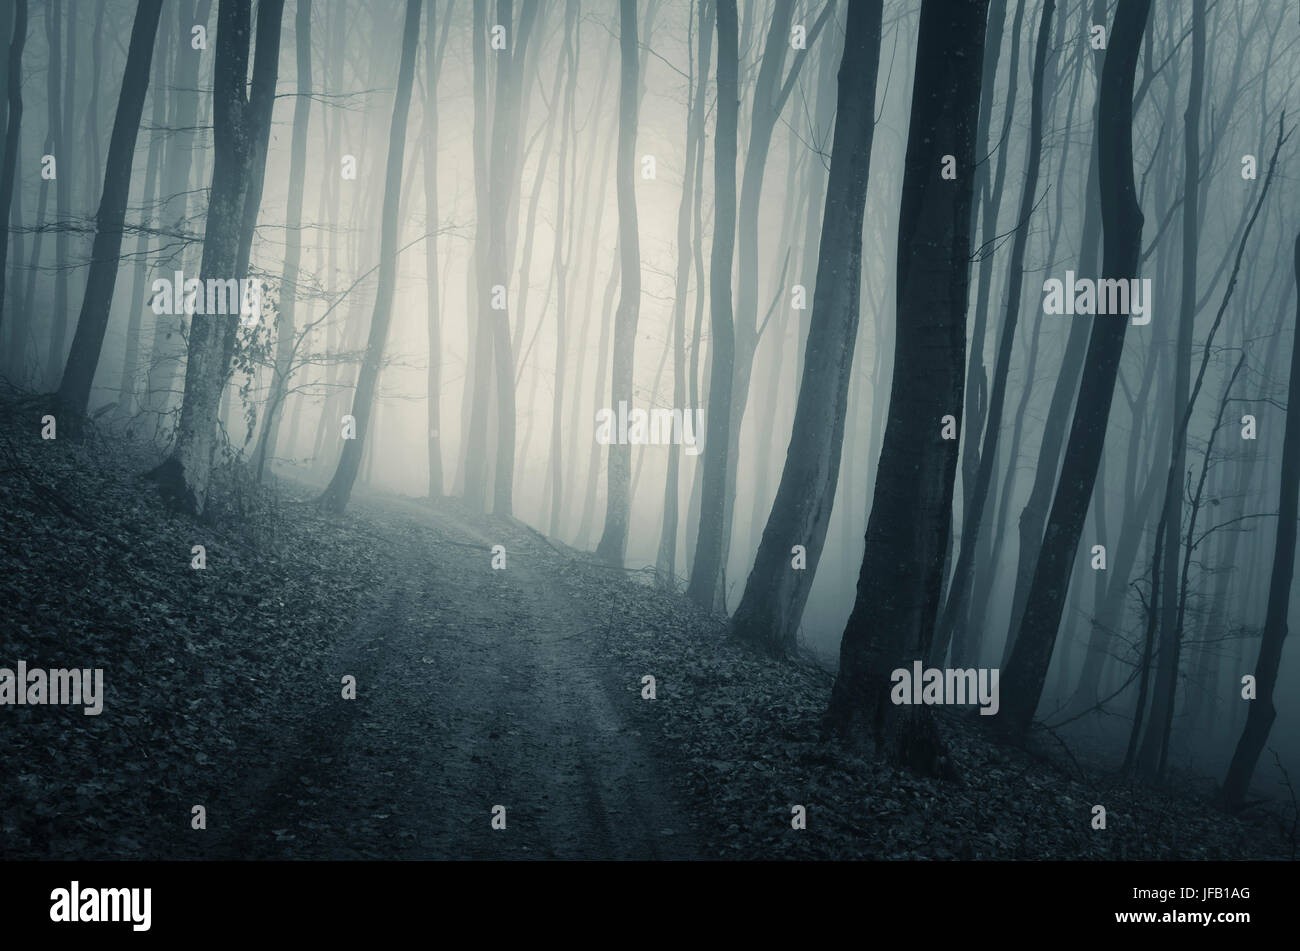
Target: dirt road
(476, 688)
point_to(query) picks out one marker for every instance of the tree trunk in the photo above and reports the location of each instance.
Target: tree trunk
(709, 546)
(336, 494)
(978, 492)
(613, 541)
(433, 389)
(1259, 719)
(138, 300)
(775, 594)
(105, 256)
(241, 128)
(911, 513)
(167, 349)
(1122, 219)
(1168, 654)
(284, 324)
(9, 169)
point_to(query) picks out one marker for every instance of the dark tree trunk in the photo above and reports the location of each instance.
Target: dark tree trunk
(1169, 652)
(1026, 670)
(1034, 514)
(772, 88)
(138, 300)
(14, 119)
(336, 494)
(1259, 719)
(241, 128)
(984, 459)
(83, 359)
(775, 593)
(911, 513)
(284, 324)
(709, 546)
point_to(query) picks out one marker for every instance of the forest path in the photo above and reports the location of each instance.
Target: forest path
(475, 688)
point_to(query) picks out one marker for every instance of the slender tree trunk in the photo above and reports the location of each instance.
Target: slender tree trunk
(79, 374)
(167, 349)
(14, 118)
(977, 496)
(564, 245)
(138, 300)
(706, 572)
(775, 594)
(1168, 654)
(433, 388)
(1122, 219)
(241, 129)
(336, 495)
(613, 542)
(1034, 514)
(284, 325)
(1261, 713)
(771, 90)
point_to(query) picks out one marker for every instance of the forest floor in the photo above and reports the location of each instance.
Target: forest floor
(476, 687)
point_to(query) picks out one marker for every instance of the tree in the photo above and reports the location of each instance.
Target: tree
(496, 180)
(977, 496)
(563, 258)
(1259, 719)
(613, 541)
(772, 88)
(167, 347)
(433, 54)
(775, 593)
(150, 200)
(241, 128)
(9, 168)
(1167, 656)
(284, 323)
(911, 513)
(1026, 670)
(79, 374)
(336, 494)
(722, 350)
(666, 562)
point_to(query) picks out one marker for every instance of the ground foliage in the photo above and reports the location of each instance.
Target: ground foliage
(202, 667)
(208, 674)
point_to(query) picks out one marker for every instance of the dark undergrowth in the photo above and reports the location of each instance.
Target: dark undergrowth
(206, 670)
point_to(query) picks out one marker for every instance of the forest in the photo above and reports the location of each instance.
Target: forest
(754, 429)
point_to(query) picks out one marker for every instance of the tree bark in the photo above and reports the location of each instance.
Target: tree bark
(984, 459)
(1259, 719)
(336, 494)
(709, 546)
(911, 514)
(775, 594)
(613, 541)
(87, 342)
(241, 128)
(1122, 220)
(13, 123)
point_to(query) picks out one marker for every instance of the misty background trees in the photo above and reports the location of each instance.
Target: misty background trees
(825, 225)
